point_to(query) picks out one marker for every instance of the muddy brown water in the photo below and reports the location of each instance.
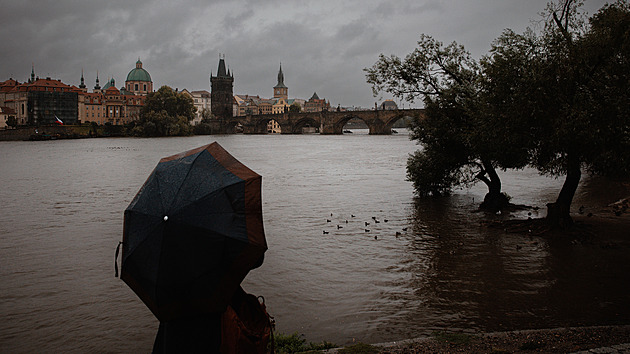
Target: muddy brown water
(62, 209)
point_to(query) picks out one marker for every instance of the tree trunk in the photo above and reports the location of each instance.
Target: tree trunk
(494, 200)
(558, 213)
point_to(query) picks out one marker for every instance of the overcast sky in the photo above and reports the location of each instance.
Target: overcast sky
(323, 45)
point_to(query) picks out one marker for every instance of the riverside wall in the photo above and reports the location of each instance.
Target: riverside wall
(45, 132)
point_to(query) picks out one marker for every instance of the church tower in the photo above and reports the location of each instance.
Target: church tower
(222, 92)
(82, 86)
(280, 90)
(32, 74)
(97, 87)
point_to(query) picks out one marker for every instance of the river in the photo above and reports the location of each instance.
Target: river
(62, 213)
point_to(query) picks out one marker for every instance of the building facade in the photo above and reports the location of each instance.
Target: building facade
(42, 101)
(6, 113)
(253, 105)
(202, 101)
(56, 107)
(111, 105)
(280, 103)
(315, 104)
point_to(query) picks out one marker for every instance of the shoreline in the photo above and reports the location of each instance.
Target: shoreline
(554, 340)
(590, 339)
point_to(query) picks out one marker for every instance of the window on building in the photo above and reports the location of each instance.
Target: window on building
(136, 87)
(145, 87)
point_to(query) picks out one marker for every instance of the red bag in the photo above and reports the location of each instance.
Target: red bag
(246, 327)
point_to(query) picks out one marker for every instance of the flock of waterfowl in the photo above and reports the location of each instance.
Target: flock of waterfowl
(365, 224)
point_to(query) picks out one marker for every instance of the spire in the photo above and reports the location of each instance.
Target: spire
(222, 72)
(97, 86)
(280, 83)
(82, 80)
(33, 73)
(280, 77)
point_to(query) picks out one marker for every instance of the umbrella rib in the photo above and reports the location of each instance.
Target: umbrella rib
(198, 186)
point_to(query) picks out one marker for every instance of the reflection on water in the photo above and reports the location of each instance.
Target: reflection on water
(468, 277)
(426, 264)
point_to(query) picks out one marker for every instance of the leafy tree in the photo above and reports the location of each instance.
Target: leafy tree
(607, 47)
(166, 113)
(174, 103)
(457, 148)
(153, 124)
(566, 92)
(295, 108)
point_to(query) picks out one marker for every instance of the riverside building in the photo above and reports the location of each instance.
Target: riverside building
(43, 101)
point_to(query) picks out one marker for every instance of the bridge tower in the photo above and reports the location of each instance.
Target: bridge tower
(280, 90)
(222, 92)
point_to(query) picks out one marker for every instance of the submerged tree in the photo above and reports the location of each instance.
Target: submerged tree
(457, 148)
(558, 101)
(566, 92)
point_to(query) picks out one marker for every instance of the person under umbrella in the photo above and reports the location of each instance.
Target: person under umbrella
(191, 235)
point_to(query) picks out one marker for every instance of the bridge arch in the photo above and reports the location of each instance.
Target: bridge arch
(328, 122)
(261, 124)
(338, 127)
(308, 121)
(389, 123)
(233, 126)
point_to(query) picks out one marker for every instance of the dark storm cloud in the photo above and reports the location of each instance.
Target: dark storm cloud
(387, 9)
(323, 45)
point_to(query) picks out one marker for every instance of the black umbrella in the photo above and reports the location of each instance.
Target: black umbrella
(193, 232)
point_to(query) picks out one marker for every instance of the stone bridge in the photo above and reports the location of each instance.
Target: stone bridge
(328, 122)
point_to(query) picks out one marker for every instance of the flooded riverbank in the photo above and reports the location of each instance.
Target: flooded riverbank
(62, 209)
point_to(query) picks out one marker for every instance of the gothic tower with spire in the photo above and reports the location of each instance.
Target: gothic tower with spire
(280, 90)
(222, 92)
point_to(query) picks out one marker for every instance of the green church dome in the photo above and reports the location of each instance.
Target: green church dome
(110, 83)
(138, 74)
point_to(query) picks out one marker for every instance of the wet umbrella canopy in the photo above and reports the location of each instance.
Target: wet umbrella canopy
(193, 232)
